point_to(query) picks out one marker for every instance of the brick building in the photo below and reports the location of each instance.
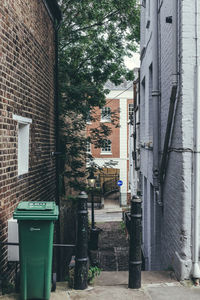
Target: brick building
(27, 106)
(169, 135)
(120, 102)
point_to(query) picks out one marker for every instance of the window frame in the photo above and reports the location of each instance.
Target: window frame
(88, 146)
(88, 118)
(132, 111)
(107, 148)
(106, 114)
(23, 146)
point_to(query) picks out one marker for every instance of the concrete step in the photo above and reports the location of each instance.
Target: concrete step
(148, 278)
(112, 254)
(106, 215)
(113, 259)
(112, 235)
(156, 285)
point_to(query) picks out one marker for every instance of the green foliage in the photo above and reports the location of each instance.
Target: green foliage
(73, 202)
(96, 190)
(94, 38)
(92, 273)
(70, 278)
(123, 226)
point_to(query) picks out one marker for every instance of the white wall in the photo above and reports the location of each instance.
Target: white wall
(170, 225)
(123, 149)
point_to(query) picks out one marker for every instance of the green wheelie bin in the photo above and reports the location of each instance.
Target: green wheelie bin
(36, 228)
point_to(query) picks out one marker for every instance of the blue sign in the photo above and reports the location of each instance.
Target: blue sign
(119, 182)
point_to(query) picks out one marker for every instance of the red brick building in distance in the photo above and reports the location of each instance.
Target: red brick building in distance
(115, 149)
(27, 108)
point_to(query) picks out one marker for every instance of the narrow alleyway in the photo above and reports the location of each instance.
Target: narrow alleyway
(111, 211)
(112, 201)
(112, 254)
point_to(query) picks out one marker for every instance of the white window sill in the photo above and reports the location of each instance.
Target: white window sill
(106, 153)
(22, 120)
(105, 121)
(20, 173)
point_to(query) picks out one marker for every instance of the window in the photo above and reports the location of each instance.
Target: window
(88, 147)
(88, 118)
(23, 143)
(106, 147)
(130, 111)
(105, 114)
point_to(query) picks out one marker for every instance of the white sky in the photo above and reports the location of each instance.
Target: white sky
(133, 62)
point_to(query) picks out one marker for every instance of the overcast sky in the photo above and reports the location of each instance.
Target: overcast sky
(133, 62)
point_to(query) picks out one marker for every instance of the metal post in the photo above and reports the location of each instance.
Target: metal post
(94, 232)
(155, 93)
(81, 262)
(135, 257)
(92, 206)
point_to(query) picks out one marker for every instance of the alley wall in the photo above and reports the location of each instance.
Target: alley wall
(167, 228)
(27, 124)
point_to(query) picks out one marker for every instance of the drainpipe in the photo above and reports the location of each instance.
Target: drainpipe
(155, 95)
(175, 44)
(56, 113)
(173, 97)
(195, 260)
(57, 262)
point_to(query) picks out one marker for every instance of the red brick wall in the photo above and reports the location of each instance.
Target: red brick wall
(26, 89)
(114, 137)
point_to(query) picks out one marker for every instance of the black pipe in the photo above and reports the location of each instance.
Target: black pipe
(136, 108)
(135, 254)
(56, 113)
(81, 261)
(92, 208)
(163, 165)
(58, 261)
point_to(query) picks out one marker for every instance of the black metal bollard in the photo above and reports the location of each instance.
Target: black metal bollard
(135, 255)
(92, 207)
(81, 262)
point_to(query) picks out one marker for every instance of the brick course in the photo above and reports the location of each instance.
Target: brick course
(115, 135)
(26, 89)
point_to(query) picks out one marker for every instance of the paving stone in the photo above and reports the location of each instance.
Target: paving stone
(112, 254)
(107, 260)
(175, 293)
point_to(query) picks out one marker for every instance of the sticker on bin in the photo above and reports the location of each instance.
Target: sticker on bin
(36, 210)
(36, 206)
(34, 229)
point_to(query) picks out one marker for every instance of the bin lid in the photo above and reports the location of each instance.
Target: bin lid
(32, 210)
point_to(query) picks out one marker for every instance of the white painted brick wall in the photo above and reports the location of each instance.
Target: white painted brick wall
(174, 239)
(123, 128)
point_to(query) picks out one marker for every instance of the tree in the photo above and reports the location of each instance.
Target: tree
(94, 38)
